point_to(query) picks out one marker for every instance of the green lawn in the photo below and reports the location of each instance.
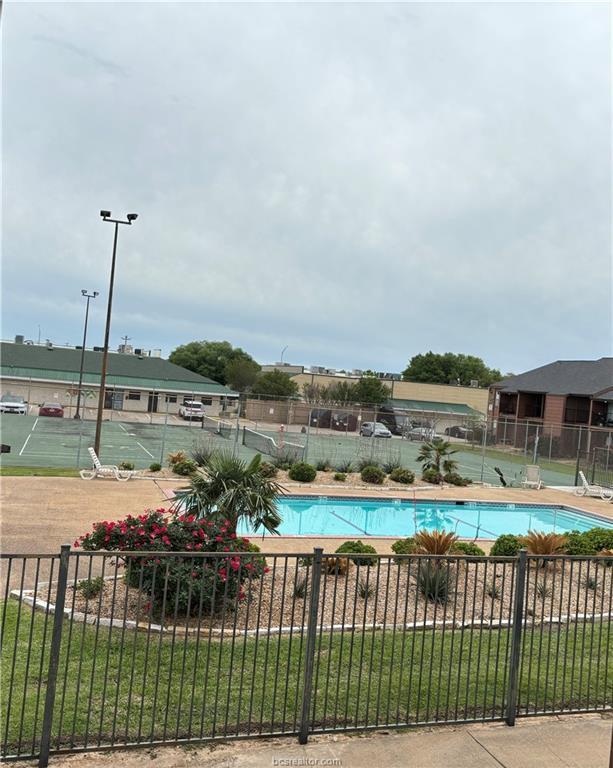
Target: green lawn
(127, 687)
(38, 472)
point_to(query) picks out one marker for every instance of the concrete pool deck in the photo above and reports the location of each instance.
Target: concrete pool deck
(38, 514)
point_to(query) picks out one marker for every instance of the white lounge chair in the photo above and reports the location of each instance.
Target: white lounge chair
(589, 489)
(532, 477)
(104, 470)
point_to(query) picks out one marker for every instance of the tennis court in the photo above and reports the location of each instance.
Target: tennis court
(48, 442)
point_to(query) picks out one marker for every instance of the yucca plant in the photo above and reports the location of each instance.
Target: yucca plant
(365, 590)
(542, 590)
(434, 581)
(434, 542)
(300, 587)
(591, 582)
(493, 590)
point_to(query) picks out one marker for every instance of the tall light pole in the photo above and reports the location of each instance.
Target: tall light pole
(88, 296)
(106, 216)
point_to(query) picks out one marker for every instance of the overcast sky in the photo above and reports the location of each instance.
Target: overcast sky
(360, 183)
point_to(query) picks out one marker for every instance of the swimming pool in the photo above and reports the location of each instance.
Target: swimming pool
(355, 517)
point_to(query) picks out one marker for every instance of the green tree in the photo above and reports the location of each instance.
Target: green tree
(433, 368)
(241, 374)
(225, 487)
(275, 384)
(208, 358)
(370, 390)
(436, 455)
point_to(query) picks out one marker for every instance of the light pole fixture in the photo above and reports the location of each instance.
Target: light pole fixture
(88, 296)
(106, 216)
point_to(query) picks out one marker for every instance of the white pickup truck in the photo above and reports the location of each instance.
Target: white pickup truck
(191, 409)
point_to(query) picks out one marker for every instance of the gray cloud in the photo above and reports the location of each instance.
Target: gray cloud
(360, 182)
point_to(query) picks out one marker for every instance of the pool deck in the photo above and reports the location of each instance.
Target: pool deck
(38, 514)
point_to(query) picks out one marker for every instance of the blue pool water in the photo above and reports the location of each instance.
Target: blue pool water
(352, 517)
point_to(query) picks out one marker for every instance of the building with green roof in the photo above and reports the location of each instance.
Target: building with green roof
(47, 373)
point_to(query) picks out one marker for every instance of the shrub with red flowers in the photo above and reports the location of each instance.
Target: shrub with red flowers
(190, 582)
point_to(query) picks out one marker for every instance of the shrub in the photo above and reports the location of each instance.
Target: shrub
(338, 565)
(268, 470)
(433, 581)
(493, 590)
(344, 467)
(184, 467)
(453, 478)
(212, 583)
(403, 547)
(607, 557)
(404, 476)
(591, 582)
(467, 548)
(155, 466)
(599, 538)
(432, 476)
(391, 465)
(90, 588)
(434, 542)
(577, 544)
(127, 465)
(302, 472)
(372, 474)
(363, 463)
(542, 590)
(356, 548)
(323, 465)
(340, 477)
(282, 462)
(539, 543)
(506, 545)
(177, 457)
(201, 454)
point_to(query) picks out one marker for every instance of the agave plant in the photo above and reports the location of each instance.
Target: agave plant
(539, 543)
(434, 542)
(434, 581)
(435, 455)
(227, 487)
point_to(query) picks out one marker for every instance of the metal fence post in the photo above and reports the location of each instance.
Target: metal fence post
(311, 635)
(516, 638)
(54, 657)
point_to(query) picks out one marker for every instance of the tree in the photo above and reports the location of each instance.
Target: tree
(370, 390)
(225, 487)
(275, 384)
(208, 358)
(241, 374)
(449, 368)
(435, 455)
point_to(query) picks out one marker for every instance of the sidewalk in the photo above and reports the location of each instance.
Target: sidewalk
(572, 741)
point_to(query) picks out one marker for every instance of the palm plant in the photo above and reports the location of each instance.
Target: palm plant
(435, 455)
(229, 488)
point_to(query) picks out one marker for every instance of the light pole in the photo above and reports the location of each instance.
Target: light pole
(106, 216)
(88, 296)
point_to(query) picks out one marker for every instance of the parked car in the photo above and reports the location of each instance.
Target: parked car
(192, 410)
(457, 431)
(320, 417)
(13, 404)
(421, 433)
(51, 409)
(374, 429)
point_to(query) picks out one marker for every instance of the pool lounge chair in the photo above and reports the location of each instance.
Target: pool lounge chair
(532, 477)
(589, 489)
(104, 470)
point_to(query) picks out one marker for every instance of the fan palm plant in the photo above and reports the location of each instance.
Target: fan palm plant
(435, 455)
(227, 487)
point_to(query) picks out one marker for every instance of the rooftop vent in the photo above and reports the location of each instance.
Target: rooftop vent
(98, 349)
(19, 339)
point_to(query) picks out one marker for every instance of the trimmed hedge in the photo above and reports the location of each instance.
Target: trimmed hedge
(302, 472)
(467, 548)
(507, 545)
(357, 547)
(400, 475)
(373, 475)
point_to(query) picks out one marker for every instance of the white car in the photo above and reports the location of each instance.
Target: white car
(13, 404)
(191, 409)
(374, 429)
(421, 433)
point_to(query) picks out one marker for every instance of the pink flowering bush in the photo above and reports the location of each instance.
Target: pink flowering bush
(189, 583)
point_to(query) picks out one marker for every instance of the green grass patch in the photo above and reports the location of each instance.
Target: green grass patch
(116, 686)
(38, 472)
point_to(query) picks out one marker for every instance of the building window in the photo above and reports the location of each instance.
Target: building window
(171, 398)
(133, 395)
(207, 400)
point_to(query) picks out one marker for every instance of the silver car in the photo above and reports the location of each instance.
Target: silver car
(13, 404)
(374, 429)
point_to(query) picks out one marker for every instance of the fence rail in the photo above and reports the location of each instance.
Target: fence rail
(104, 650)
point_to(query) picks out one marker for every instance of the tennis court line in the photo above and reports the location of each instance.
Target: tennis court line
(27, 440)
(136, 441)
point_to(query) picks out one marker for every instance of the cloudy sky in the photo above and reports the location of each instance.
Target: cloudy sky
(358, 182)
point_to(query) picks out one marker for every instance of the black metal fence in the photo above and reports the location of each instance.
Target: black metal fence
(101, 651)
